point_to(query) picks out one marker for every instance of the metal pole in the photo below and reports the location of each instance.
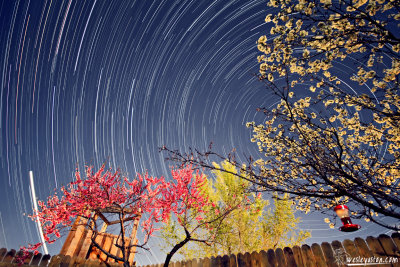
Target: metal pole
(35, 209)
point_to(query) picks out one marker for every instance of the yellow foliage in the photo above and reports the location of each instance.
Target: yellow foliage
(353, 139)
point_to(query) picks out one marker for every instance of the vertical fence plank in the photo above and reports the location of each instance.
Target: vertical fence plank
(81, 241)
(290, 261)
(255, 259)
(36, 259)
(9, 256)
(213, 261)
(29, 258)
(232, 261)
(86, 243)
(297, 256)
(363, 248)
(377, 249)
(113, 249)
(264, 258)
(329, 255)
(339, 251)
(247, 259)
(65, 261)
(219, 261)
(207, 262)
(18, 254)
(280, 257)
(107, 247)
(396, 239)
(195, 263)
(308, 256)
(318, 255)
(76, 241)
(337, 246)
(272, 258)
(45, 260)
(240, 260)
(388, 245)
(95, 252)
(225, 261)
(70, 237)
(375, 246)
(55, 261)
(350, 248)
(3, 252)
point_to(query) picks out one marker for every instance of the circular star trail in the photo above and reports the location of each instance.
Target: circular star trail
(85, 82)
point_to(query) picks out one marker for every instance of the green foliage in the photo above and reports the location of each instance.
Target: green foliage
(249, 227)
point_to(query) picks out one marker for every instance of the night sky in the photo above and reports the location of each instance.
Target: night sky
(84, 82)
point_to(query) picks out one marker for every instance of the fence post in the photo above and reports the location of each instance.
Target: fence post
(218, 261)
(388, 245)
(232, 261)
(193, 262)
(9, 256)
(272, 258)
(45, 260)
(396, 239)
(280, 257)
(255, 259)
(290, 261)
(36, 259)
(297, 256)
(206, 262)
(350, 248)
(363, 248)
(308, 257)
(375, 246)
(264, 258)
(329, 256)
(55, 260)
(3, 252)
(240, 260)
(318, 255)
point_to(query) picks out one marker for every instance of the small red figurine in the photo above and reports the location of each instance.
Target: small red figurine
(342, 212)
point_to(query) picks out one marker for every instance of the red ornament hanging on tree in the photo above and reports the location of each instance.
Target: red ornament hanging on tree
(342, 212)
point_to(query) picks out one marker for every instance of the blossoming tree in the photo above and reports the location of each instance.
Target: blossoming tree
(334, 136)
(110, 191)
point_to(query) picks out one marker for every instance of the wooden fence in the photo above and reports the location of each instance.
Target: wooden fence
(335, 254)
(324, 255)
(7, 258)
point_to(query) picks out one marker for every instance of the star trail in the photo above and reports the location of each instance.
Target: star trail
(84, 82)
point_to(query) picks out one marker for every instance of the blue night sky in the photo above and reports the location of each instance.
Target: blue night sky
(84, 82)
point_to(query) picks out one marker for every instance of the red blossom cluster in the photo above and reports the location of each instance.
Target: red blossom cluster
(185, 193)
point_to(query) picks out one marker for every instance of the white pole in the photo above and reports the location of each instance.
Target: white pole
(35, 209)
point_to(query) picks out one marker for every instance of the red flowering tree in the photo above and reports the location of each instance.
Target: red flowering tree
(107, 190)
(104, 190)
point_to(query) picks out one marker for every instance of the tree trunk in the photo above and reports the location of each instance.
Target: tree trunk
(175, 249)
